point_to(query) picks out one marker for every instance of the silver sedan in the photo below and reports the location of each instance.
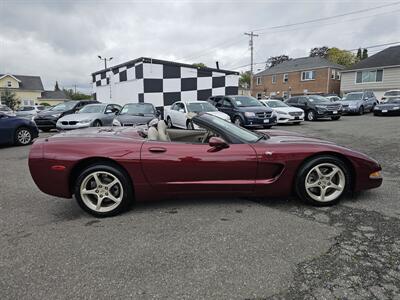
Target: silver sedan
(95, 115)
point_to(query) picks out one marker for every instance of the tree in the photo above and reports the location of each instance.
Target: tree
(244, 80)
(319, 52)
(364, 53)
(276, 60)
(9, 98)
(359, 54)
(199, 65)
(76, 96)
(342, 57)
(56, 88)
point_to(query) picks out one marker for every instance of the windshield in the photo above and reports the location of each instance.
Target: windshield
(239, 132)
(353, 96)
(318, 99)
(200, 107)
(92, 109)
(244, 101)
(25, 108)
(394, 100)
(276, 103)
(137, 109)
(64, 106)
(392, 93)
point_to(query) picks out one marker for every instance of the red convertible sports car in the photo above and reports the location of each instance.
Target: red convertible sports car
(107, 168)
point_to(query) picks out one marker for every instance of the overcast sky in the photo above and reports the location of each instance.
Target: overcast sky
(60, 40)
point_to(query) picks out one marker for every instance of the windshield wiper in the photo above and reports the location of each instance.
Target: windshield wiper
(263, 136)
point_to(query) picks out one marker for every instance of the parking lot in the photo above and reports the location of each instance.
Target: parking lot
(211, 248)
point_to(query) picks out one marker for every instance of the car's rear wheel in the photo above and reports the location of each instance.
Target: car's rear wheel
(103, 190)
(323, 180)
(23, 136)
(335, 118)
(169, 122)
(361, 110)
(96, 123)
(310, 115)
(238, 121)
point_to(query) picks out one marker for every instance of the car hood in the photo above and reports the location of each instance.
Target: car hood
(288, 109)
(134, 119)
(79, 117)
(49, 113)
(351, 102)
(282, 136)
(219, 114)
(254, 108)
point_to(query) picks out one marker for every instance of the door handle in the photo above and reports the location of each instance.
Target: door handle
(157, 149)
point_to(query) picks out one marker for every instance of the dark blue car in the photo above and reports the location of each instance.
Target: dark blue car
(17, 131)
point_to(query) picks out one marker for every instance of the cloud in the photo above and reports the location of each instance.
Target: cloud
(60, 40)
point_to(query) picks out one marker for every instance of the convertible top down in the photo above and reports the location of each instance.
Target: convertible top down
(106, 168)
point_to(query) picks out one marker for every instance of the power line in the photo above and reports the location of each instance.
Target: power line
(375, 46)
(328, 18)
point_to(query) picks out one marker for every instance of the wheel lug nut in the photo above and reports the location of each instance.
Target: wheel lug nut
(97, 191)
(106, 194)
(106, 188)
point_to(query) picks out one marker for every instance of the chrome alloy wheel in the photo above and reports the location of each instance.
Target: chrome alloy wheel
(101, 191)
(24, 136)
(325, 182)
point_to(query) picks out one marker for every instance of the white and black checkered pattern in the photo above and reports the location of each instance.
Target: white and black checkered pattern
(161, 82)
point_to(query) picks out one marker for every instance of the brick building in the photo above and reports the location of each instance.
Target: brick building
(305, 75)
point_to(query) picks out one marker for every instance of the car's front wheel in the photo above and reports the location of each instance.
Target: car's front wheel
(323, 180)
(361, 110)
(189, 125)
(169, 122)
(310, 115)
(97, 123)
(103, 190)
(238, 121)
(23, 136)
(335, 118)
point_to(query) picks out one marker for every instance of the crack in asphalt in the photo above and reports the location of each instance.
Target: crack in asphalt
(363, 263)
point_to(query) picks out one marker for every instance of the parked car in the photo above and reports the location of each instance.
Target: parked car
(245, 111)
(316, 107)
(92, 115)
(391, 107)
(16, 131)
(29, 111)
(47, 119)
(333, 98)
(181, 113)
(390, 94)
(133, 114)
(6, 110)
(285, 113)
(359, 102)
(106, 170)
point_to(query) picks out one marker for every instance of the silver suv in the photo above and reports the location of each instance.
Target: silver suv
(359, 102)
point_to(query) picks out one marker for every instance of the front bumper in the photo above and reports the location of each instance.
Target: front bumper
(260, 122)
(45, 123)
(60, 126)
(350, 110)
(329, 113)
(284, 119)
(389, 112)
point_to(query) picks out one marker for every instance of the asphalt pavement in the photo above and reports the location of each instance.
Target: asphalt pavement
(208, 249)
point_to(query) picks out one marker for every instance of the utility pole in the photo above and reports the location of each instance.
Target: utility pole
(251, 44)
(105, 60)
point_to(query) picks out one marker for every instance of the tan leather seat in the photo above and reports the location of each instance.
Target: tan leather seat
(152, 134)
(162, 131)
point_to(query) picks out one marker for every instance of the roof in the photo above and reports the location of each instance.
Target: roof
(164, 62)
(385, 58)
(300, 64)
(56, 95)
(27, 82)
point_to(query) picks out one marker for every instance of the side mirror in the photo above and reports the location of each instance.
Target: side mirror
(109, 111)
(181, 110)
(217, 144)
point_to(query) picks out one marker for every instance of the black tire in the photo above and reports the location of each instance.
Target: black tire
(335, 118)
(120, 174)
(45, 129)
(169, 122)
(301, 176)
(23, 136)
(297, 123)
(189, 125)
(310, 115)
(267, 127)
(361, 110)
(238, 121)
(97, 123)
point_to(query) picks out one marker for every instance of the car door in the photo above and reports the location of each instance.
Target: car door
(177, 114)
(177, 168)
(6, 129)
(109, 115)
(227, 107)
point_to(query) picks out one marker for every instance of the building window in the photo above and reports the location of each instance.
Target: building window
(258, 80)
(259, 96)
(273, 79)
(337, 74)
(28, 102)
(9, 84)
(285, 78)
(285, 95)
(307, 75)
(333, 74)
(369, 76)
